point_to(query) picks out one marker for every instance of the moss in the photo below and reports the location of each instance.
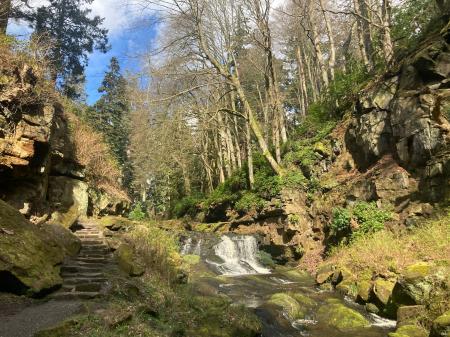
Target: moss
(289, 304)
(128, 260)
(364, 289)
(409, 331)
(303, 300)
(418, 270)
(340, 317)
(382, 289)
(191, 259)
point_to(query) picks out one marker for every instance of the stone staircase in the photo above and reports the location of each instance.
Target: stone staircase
(85, 276)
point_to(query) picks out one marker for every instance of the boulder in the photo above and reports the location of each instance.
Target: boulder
(338, 316)
(409, 331)
(418, 283)
(128, 261)
(441, 326)
(68, 241)
(324, 274)
(410, 314)
(289, 304)
(382, 290)
(29, 260)
(364, 289)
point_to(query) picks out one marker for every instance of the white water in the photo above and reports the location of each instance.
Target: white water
(189, 247)
(239, 256)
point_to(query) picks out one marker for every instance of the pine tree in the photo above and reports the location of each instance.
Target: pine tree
(73, 35)
(111, 115)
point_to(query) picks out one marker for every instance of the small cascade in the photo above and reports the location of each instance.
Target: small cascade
(191, 246)
(239, 256)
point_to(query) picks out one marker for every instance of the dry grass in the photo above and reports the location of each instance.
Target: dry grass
(158, 248)
(92, 151)
(385, 251)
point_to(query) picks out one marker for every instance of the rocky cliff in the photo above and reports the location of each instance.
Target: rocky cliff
(392, 149)
(40, 173)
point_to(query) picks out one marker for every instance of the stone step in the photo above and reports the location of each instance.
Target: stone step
(77, 269)
(83, 287)
(81, 265)
(90, 275)
(88, 262)
(90, 259)
(83, 280)
(75, 295)
(91, 242)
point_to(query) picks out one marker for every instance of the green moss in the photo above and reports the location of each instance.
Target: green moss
(289, 304)
(409, 331)
(340, 317)
(418, 270)
(249, 201)
(191, 259)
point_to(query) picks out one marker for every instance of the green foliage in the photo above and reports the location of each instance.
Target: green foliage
(294, 179)
(137, 213)
(249, 201)
(267, 184)
(368, 216)
(341, 220)
(294, 219)
(411, 22)
(265, 259)
(110, 116)
(189, 205)
(73, 34)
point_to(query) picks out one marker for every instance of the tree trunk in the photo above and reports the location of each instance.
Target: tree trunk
(248, 140)
(5, 12)
(302, 80)
(332, 59)
(388, 48)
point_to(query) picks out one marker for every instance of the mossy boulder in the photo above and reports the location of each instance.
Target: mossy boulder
(338, 316)
(68, 241)
(29, 257)
(409, 331)
(411, 314)
(324, 274)
(419, 283)
(289, 304)
(441, 326)
(364, 289)
(128, 261)
(382, 290)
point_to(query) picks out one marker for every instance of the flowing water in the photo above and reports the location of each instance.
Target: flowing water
(240, 276)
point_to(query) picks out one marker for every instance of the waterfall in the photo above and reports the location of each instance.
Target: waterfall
(238, 254)
(191, 247)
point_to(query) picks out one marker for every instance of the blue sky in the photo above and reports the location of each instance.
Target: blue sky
(130, 35)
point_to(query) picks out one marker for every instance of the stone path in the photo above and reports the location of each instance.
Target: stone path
(85, 276)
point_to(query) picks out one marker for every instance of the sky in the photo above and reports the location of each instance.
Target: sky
(129, 37)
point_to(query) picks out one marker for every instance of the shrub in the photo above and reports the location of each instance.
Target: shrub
(294, 179)
(249, 201)
(341, 220)
(158, 248)
(138, 213)
(370, 218)
(189, 205)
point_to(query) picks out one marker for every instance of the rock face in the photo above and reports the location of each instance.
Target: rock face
(39, 171)
(29, 256)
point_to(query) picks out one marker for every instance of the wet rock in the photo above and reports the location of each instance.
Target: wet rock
(409, 331)
(128, 261)
(28, 259)
(289, 304)
(372, 308)
(441, 326)
(340, 317)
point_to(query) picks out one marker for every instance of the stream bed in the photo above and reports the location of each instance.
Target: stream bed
(286, 300)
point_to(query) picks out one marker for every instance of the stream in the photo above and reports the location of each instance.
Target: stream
(230, 265)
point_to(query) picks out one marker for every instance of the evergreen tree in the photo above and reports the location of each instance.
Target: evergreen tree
(111, 114)
(73, 35)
